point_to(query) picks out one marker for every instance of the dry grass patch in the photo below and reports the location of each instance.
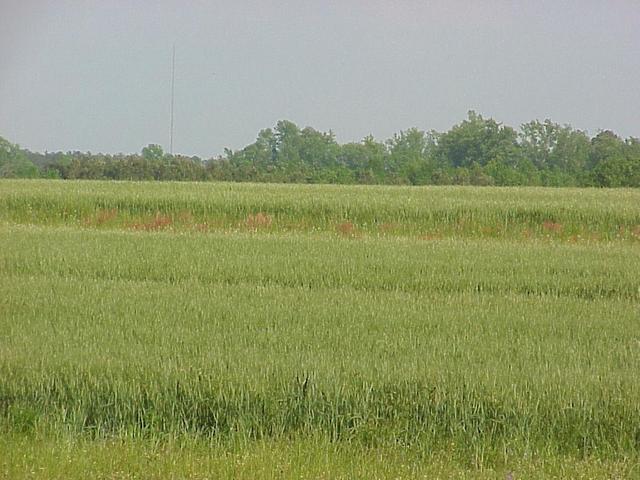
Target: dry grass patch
(347, 229)
(552, 227)
(258, 221)
(430, 237)
(101, 217)
(389, 228)
(158, 222)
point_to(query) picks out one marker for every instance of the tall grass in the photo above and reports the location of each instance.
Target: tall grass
(431, 212)
(484, 349)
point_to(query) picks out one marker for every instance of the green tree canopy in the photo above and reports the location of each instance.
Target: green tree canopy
(14, 162)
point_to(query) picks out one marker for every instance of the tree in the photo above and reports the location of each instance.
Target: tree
(538, 141)
(561, 152)
(616, 163)
(411, 156)
(477, 151)
(477, 140)
(14, 162)
(361, 161)
(153, 152)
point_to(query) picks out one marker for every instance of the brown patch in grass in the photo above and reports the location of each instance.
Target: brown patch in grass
(574, 238)
(299, 226)
(201, 227)
(635, 233)
(552, 227)
(346, 229)
(595, 237)
(101, 217)
(185, 217)
(430, 237)
(159, 222)
(258, 220)
(388, 228)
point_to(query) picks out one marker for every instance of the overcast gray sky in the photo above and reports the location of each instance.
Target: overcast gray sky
(95, 74)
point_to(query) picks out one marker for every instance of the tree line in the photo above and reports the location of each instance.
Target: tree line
(477, 151)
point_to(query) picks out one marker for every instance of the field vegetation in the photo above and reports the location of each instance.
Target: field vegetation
(379, 211)
(278, 331)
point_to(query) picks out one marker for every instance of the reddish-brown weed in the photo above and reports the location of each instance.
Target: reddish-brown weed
(159, 222)
(258, 220)
(430, 236)
(552, 227)
(102, 216)
(201, 227)
(388, 228)
(185, 217)
(346, 229)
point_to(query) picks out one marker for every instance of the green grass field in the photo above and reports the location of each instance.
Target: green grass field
(183, 330)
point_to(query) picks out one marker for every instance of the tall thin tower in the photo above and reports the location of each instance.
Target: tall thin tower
(173, 78)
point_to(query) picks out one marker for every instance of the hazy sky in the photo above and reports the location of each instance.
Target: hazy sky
(95, 75)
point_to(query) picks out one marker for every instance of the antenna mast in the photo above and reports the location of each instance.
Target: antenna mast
(173, 76)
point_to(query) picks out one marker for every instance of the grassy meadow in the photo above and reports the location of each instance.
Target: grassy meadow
(198, 330)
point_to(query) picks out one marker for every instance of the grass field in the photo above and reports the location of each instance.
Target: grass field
(269, 331)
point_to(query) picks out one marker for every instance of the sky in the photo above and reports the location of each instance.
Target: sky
(95, 75)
